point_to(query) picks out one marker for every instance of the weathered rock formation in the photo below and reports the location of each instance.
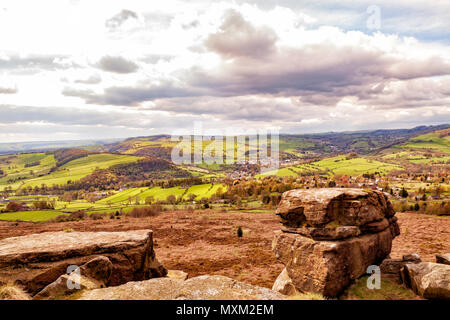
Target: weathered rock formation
(37, 260)
(427, 279)
(330, 236)
(198, 288)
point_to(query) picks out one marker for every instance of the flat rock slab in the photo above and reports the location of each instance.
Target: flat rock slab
(54, 245)
(198, 288)
(36, 260)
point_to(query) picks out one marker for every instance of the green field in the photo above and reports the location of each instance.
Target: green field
(121, 201)
(336, 165)
(34, 216)
(71, 171)
(161, 194)
(432, 141)
(14, 167)
(356, 166)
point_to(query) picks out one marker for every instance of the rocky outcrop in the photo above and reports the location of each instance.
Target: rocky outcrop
(91, 275)
(391, 268)
(37, 260)
(427, 279)
(443, 258)
(330, 236)
(198, 288)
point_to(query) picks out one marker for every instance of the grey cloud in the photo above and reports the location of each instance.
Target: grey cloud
(190, 25)
(70, 116)
(93, 79)
(155, 58)
(157, 19)
(130, 96)
(316, 74)
(117, 20)
(80, 93)
(35, 63)
(116, 65)
(249, 108)
(239, 38)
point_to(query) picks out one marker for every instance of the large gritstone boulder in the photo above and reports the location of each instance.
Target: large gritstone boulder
(199, 288)
(330, 236)
(37, 260)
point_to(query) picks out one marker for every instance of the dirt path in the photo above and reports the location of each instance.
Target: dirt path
(207, 243)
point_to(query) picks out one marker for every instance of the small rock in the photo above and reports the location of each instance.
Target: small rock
(413, 257)
(283, 284)
(443, 258)
(177, 275)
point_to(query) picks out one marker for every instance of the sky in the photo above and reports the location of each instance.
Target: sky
(75, 69)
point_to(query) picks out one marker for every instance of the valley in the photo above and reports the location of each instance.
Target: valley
(137, 172)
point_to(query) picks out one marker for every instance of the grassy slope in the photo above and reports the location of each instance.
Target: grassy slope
(336, 165)
(356, 166)
(429, 148)
(16, 167)
(34, 216)
(431, 141)
(79, 168)
(158, 193)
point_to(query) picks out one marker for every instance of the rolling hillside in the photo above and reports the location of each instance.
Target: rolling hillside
(46, 172)
(335, 165)
(433, 147)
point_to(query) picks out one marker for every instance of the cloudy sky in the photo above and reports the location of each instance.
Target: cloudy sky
(75, 69)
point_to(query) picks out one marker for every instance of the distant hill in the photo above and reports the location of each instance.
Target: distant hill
(292, 146)
(42, 146)
(304, 146)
